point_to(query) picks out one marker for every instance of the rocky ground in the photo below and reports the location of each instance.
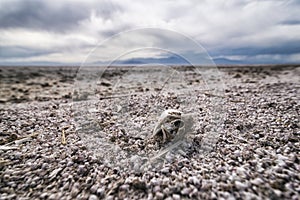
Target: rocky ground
(42, 155)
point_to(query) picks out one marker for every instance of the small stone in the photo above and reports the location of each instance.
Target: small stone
(105, 83)
(55, 172)
(74, 192)
(110, 197)
(206, 186)
(93, 197)
(213, 196)
(124, 187)
(176, 196)
(156, 188)
(166, 191)
(150, 196)
(221, 169)
(241, 171)
(237, 75)
(159, 195)
(194, 180)
(53, 197)
(93, 189)
(82, 170)
(277, 192)
(154, 181)
(66, 186)
(138, 184)
(240, 186)
(100, 191)
(165, 181)
(186, 191)
(65, 175)
(165, 170)
(89, 180)
(257, 181)
(70, 163)
(6, 177)
(44, 195)
(45, 166)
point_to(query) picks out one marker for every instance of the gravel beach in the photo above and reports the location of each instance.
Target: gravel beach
(256, 154)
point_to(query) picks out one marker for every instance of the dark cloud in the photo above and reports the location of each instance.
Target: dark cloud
(21, 52)
(254, 60)
(292, 47)
(50, 15)
(291, 22)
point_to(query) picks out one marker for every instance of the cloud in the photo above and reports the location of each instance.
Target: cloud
(30, 46)
(55, 30)
(21, 52)
(49, 15)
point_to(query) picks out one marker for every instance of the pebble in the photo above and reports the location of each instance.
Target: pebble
(94, 188)
(45, 166)
(54, 173)
(176, 196)
(70, 164)
(81, 169)
(165, 170)
(53, 197)
(154, 181)
(277, 192)
(156, 188)
(74, 192)
(110, 197)
(194, 180)
(240, 186)
(186, 191)
(93, 197)
(159, 195)
(44, 195)
(124, 187)
(257, 181)
(100, 191)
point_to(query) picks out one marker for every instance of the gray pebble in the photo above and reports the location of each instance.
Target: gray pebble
(74, 192)
(70, 164)
(81, 169)
(240, 186)
(44, 195)
(55, 172)
(124, 187)
(186, 191)
(93, 197)
(52, 197)
(94, 188)
(100, 191)
(165, 170)
(176, 196)
(159, 195)
(257, 181)
(194, 180)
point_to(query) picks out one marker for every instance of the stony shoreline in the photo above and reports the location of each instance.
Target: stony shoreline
(256, 156)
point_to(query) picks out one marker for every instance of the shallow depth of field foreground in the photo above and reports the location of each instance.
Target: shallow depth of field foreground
(44, 156)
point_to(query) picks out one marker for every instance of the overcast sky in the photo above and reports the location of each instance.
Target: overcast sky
(232, 31)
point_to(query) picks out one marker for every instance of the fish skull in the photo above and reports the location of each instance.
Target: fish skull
(169, 122)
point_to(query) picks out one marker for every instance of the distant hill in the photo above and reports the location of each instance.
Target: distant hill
(165, 60)
(225, 61)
